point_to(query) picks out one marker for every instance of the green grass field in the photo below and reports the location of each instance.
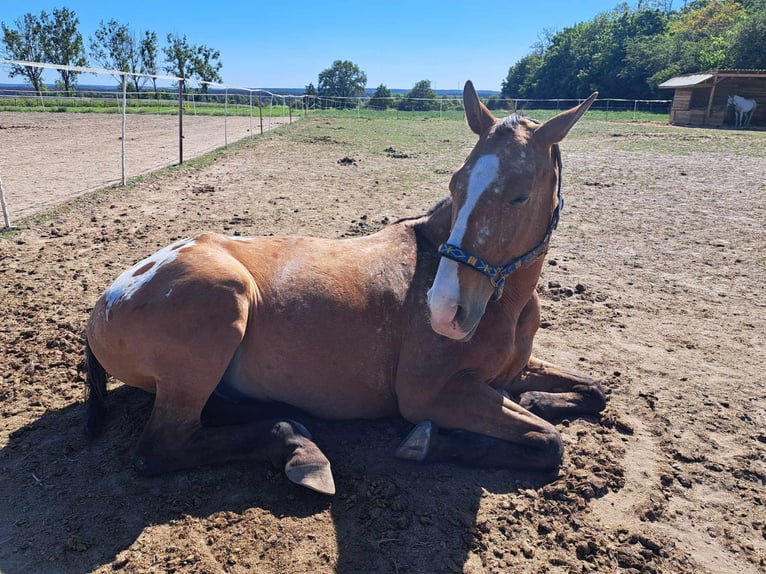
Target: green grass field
(215, 106)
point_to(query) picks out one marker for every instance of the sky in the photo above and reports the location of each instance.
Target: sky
(275, 44)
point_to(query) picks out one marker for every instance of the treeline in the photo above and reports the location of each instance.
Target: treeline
(343, 84)
(55, 39)
(628, 52)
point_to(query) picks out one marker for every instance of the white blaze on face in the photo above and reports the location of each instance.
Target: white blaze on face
(444, 295)
(129, 282)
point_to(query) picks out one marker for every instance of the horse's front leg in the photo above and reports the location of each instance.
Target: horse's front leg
(472, 423)
(553, 392)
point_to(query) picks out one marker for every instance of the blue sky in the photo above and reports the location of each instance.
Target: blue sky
(275, 44)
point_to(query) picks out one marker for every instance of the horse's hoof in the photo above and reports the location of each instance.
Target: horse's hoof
(315, 476)
(418, 443)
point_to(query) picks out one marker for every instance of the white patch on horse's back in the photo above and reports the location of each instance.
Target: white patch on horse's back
(239, 238)
(130, 281)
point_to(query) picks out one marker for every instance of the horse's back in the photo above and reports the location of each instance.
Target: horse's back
(312, 322)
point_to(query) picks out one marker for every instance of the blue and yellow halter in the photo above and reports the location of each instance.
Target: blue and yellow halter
(497, 275)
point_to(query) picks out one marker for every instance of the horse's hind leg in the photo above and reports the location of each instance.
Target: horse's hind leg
(174, 437)
(553, 392)
(284, 443)
(173, 440)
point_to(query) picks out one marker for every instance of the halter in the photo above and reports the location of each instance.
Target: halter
(497, 275)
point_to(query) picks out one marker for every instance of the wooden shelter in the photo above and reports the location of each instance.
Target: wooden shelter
(700, 99)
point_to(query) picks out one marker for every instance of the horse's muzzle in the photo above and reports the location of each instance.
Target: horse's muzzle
(450, 319)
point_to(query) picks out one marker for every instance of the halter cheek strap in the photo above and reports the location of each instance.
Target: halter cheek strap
(497, 275)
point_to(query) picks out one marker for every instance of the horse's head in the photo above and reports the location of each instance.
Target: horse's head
(504, 206)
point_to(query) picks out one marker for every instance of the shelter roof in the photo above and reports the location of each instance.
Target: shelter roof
(692, 80)
(686, 81)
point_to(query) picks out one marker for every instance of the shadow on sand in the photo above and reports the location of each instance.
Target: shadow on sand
(73, 505)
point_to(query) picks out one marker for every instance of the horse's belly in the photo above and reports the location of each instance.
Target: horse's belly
(316, 376)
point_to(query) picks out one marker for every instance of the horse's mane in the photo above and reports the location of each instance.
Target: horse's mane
(514, 120)
(442, 202)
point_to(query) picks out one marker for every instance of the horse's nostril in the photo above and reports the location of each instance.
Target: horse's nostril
(459, 314)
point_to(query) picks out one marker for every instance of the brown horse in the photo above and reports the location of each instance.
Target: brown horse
(228, 331)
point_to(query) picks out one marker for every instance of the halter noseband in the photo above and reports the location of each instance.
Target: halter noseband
(497, 275)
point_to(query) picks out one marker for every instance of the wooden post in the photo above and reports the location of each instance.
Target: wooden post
(180, 121)
(710, 100)
(6, 218)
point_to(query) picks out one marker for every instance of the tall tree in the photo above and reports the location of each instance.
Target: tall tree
(190, 61)
(748, 46)
(521, 81)
(343, 79)
(25, 42)
(381, 99)
(113, 47)
(626, 52)
(64, 45)
(206, 65)
(179, 56)
(420, 98)
(148, 55)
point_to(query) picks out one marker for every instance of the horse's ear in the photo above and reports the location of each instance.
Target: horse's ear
(480, 119)
(556, 128)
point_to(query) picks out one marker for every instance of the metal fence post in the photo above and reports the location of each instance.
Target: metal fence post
(124, 112)
(180, 122)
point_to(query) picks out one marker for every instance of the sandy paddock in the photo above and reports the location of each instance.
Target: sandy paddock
(48, 158)
(654, 282)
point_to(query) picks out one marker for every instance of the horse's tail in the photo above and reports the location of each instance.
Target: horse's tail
(95, 377)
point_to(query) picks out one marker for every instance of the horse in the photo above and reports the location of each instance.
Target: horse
(431, 319)
(743, 110)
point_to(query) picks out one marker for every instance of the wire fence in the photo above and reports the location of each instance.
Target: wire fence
(451, 107)
(169, 113)
(46, 158)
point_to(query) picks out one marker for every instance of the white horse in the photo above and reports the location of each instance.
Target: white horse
(743, 110)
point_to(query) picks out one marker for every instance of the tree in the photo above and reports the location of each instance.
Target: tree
(148, 55)
(420, 98)
(178, 56)
(747, 46)
(190, 61)
(114, 48)
(381, 99)
(627, 52)
(343, 80)
(206, 65)
(26, 42)
(521, 81)
(63, 45)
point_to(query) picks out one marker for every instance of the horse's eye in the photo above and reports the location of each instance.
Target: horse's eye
(519, 200)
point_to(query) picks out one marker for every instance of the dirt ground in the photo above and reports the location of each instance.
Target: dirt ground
(654, 283)
(47, 158)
